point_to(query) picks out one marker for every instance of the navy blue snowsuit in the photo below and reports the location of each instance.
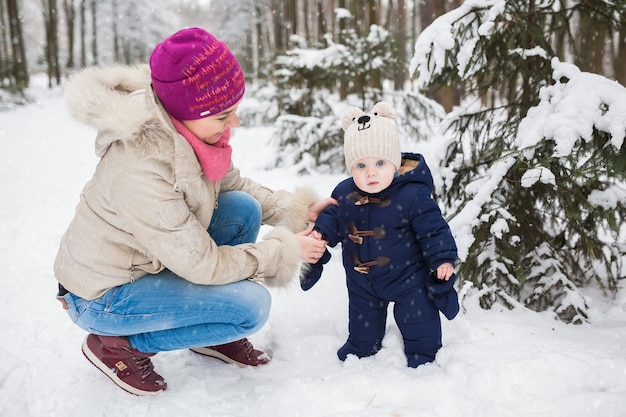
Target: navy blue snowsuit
(391, 242)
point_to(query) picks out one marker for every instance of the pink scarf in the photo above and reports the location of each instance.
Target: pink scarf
(214, 159)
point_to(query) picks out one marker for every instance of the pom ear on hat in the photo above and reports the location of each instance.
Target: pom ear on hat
(350, 116)
(384, 109)
(195, 75)
(371, 135)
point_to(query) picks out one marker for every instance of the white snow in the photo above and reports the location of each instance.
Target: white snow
(495, 363)
(429, 52)
(608, 199)
(570, 110)
(540, 174)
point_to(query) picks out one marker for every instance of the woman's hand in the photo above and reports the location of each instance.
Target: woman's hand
(312, 246)
(316, 208)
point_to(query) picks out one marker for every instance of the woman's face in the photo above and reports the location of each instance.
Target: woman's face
(373, 175)
(209, 129)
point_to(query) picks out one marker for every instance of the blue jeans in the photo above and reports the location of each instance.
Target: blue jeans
(164, 312)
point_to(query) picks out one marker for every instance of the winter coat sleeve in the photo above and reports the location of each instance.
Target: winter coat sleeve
(311, 273)
(438, 246)
(431, 230)
(159, 218)
(326, 225)
(327, 222)
(280, 207)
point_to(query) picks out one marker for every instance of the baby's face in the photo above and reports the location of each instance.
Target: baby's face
(372, 174)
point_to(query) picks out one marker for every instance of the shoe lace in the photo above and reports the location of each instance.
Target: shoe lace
(246, 346)
(143, 363)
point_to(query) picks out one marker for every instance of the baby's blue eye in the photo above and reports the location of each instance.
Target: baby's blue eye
(360, 165)
(380, 162)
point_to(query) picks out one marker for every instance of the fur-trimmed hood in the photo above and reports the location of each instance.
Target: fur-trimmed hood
(119, 103)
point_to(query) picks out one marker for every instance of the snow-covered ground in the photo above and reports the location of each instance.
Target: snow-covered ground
(495, 363)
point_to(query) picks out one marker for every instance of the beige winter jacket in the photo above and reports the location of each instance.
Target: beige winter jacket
(147, 206)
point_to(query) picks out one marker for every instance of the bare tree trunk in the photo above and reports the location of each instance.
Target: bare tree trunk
(54, 31)
(619, 62)
(429, 11)
(285, 24)
(372, 16)
(322, 27)
(342, 22)
(50, 15)
(415, 22)
(292, 19)
(592, 36)
(343, 87)
(94, 32)
(447, 95)
(70, 22)
(300, 18)
(269, 40)
(4, 43)
(389, 18)
(45, 9)
(356, 9)
(254, 42)
(559, 30)
(117, 56)
(278, 10)
(83, 33)
(400, 73)
(19, 67)
(330, 19)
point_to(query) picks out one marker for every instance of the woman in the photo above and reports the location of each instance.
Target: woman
(161, 253)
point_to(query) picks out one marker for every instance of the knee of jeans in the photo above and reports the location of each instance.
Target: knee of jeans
(246, 201)
(259, 309)
(255, 212)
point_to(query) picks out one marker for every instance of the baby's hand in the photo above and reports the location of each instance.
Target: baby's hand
(445, 271)
(315, 234)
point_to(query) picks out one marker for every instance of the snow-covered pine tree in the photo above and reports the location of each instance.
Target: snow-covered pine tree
(309, 79)
(314, 82)
(534, 173)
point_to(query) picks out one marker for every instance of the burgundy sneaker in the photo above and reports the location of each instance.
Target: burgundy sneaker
(240, 352)
(130, 369)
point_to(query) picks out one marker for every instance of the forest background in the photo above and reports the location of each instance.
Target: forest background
(471, 74)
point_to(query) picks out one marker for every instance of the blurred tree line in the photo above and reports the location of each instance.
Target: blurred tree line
(60, 36)
(78, 33)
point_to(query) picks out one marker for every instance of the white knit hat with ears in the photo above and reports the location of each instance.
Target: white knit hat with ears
(374, 134)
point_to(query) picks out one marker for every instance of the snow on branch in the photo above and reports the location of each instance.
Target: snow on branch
(463, 223)
(432, 48)
(570, 109)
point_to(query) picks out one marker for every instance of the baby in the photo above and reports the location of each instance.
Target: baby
(396, 245)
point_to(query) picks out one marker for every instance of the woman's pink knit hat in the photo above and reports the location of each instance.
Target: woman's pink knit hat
(195, 75)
